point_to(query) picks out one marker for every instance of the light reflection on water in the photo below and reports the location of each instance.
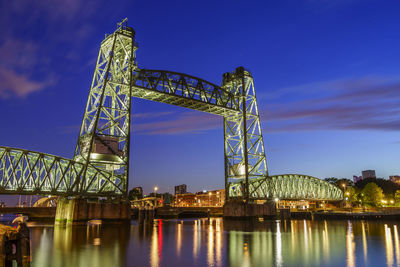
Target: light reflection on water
(215, 242)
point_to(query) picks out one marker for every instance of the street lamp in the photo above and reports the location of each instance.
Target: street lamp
(276, 201)
(344, 187)
(155, 190)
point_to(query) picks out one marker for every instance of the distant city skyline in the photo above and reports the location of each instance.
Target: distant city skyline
(326, 75)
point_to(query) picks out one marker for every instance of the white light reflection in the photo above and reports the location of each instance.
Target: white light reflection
(389, 246)
(396, 243)
(351, 247)
(154, 260)
(179, 238)
(364, 239)
(325, 242)
(306, 242)
(278, 245)
(293, 234)
(196, 238)
(218, 242)
(210, 247)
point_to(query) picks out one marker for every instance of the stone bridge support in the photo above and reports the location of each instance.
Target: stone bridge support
(80, 210)
(241, 210)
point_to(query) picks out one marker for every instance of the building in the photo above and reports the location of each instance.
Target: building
(395, 179)
(356, 178)
(214, 198)
(180, 189)
(368, 174)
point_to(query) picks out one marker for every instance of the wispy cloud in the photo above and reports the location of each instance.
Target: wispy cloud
(356, 104)
(151, 115)
(181, 123)
(19, 85)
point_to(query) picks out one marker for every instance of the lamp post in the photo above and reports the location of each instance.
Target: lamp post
(276, 201)
(344, 190)
(155, 191)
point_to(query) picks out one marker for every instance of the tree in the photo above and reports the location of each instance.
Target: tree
(351, 195)
(340, 182)
(135, 193)
(373, 194)
(389, 188)
(397, 197)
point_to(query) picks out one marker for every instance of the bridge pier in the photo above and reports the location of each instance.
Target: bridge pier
(146, 215)
(79, 210)
(237, 209)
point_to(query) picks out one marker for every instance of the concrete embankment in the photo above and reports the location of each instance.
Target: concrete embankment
(33, 213)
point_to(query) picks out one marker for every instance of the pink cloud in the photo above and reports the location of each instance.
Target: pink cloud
(366, 103)
(187, 122)
(17, 84)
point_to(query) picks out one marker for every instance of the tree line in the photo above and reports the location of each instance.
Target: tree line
(374, 192)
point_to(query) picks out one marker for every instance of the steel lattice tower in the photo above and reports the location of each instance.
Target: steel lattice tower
(244, 147)
(105, 131)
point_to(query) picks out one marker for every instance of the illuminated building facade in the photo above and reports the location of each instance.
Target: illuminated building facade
(180, 189)
(214, 198)
(395, 179)
(368, 174)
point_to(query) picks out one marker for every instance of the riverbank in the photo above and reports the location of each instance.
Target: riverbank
(393, 214)
(47, 214)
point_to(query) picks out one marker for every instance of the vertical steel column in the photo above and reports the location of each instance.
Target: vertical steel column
(104, 137)
(244, 147)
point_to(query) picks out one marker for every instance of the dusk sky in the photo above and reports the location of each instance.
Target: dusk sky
(326, 74)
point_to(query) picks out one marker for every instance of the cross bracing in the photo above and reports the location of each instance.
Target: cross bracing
(100, 166)
(289, 186)
(184, 90)
(27, 172)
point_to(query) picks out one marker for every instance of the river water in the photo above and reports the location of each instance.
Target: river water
(215, 242)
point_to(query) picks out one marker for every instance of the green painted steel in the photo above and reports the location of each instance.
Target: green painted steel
(244, 147)
(27, 172)
(185, 91)
(105, 130)
(100, 166)
(288, 186)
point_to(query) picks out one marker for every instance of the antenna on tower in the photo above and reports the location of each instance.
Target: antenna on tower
(124, 22)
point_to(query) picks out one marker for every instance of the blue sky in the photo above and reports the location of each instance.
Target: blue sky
(327, 78)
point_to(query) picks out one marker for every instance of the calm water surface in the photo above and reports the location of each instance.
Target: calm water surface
(199, 242)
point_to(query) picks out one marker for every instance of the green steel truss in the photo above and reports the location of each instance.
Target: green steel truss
(289, 186)
(105, 131)
(244, 147)
(184, 91)
(100, 166)
(27, 172)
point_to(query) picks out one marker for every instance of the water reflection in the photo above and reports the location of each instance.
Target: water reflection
(94, 245)
(215, 242)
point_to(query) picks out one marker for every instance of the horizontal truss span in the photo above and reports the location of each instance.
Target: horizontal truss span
(28, 172)
(185, 91)
(289, 187)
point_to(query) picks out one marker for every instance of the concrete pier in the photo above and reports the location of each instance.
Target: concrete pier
(146, 215)
(236, 209)
(80, 210)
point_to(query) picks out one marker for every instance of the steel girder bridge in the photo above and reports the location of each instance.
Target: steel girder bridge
(100, 166)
